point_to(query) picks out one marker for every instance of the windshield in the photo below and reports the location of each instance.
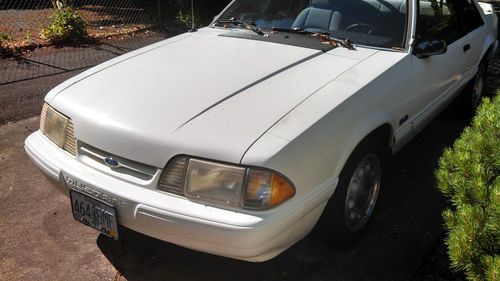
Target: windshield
(378, 23)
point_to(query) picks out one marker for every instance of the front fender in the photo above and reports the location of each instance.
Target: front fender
(319, 153)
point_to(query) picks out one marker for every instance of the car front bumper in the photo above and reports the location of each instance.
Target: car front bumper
(251, 236)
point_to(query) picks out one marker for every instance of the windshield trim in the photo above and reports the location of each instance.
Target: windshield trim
(233, 29)
(409, 24)
(412, 25)
(217, 17)
(407, 37)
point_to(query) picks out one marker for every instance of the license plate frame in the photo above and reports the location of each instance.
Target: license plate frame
(97, 214)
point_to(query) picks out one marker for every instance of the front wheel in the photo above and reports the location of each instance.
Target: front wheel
(362, 192)
(353, 203)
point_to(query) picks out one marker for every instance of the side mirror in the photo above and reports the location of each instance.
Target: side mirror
(433, 47)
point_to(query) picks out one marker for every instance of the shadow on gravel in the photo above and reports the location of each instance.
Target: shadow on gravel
(35, 61)
(405, 230)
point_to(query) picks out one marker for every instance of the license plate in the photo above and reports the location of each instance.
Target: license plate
(94, 213)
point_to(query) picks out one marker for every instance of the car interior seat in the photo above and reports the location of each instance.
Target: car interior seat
(321, 15)
(386, 16)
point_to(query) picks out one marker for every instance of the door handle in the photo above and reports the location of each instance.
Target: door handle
(466, 47)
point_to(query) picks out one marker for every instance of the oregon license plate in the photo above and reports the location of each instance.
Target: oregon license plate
(94, 213)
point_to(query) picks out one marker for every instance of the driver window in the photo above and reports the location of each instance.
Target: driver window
(469, 15)
(437, 19)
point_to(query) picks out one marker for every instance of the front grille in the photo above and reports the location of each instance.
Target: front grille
(126, 167)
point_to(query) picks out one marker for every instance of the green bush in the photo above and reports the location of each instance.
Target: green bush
(4, 37)
(185, 19)
(469, 177)
(67, 26)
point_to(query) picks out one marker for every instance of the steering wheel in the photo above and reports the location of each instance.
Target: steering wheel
(360, 27)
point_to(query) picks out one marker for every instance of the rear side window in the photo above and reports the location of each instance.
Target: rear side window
(469, 15)
(439, 20)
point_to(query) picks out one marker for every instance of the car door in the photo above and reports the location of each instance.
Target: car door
(474, 26)
(436, 78)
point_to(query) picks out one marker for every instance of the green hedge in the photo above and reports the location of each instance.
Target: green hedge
(469, 177)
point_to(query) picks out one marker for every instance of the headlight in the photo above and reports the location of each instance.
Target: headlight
(213, 182)
(226, 185)
(58, 128)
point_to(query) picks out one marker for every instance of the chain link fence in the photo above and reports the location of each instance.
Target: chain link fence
(114, 27)
(22, 21)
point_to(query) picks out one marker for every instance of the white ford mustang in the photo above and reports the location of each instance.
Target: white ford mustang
(236, 139)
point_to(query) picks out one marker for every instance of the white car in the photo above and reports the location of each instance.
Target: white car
(235, 139)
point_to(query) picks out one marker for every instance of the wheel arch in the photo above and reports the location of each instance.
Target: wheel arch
(489, 48)
(381, 132)
(333, 219)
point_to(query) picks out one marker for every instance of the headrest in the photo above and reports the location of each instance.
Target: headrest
(323, 4)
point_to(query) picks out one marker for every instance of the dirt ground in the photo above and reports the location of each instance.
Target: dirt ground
(22, 27)
(39, 240)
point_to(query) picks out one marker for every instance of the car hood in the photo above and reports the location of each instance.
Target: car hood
(200, 94)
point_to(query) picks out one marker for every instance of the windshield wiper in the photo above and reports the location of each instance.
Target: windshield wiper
(324, 37)
(329, 40)
(295, 30)
(247, 25)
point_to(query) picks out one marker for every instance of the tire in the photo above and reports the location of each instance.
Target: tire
(474, 92)
(348, 212)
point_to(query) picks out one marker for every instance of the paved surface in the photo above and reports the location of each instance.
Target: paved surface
(40, 241)
(25, 79)
(54, 60)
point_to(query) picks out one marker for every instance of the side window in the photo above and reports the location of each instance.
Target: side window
(469, 15)
(438, 19)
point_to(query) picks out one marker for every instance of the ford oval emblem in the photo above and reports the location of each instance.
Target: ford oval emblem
(111, 162)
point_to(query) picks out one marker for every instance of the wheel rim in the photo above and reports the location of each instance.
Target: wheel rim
(363, 192)
(477, 89)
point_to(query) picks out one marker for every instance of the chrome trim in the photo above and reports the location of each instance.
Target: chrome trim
(412, 24)
(120, 165)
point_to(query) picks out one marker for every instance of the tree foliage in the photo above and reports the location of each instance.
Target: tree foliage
(469, 177)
